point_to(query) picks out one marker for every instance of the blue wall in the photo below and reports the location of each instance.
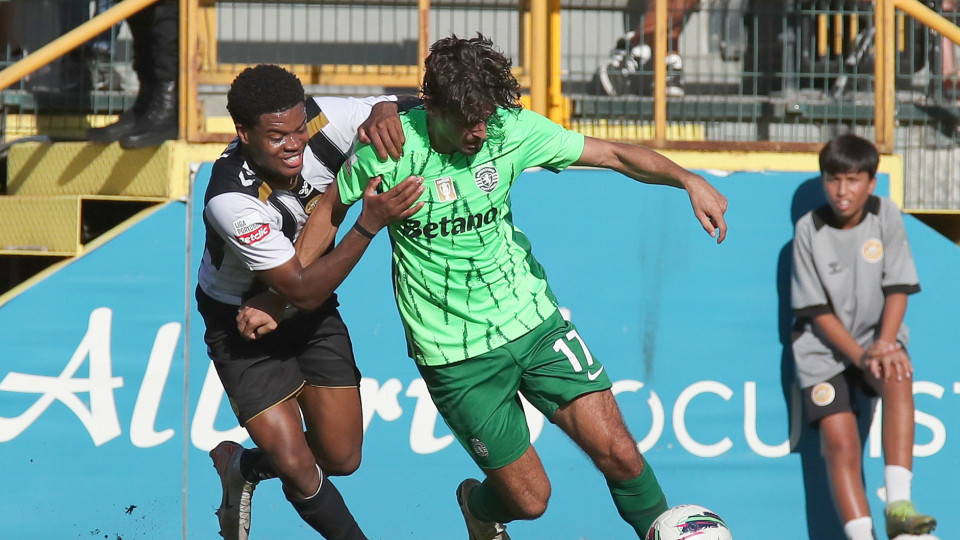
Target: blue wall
(107, 407)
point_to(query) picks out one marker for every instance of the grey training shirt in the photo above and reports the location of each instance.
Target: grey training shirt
(848, 272)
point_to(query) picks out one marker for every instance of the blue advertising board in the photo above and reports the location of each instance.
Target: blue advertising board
(108, 402)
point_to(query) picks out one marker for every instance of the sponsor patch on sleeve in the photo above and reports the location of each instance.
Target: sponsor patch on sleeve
(251, 228)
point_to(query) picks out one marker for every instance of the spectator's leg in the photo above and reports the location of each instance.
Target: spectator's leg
(140, 24)
(159, 123)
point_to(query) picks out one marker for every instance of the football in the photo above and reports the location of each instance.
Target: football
(688, 521)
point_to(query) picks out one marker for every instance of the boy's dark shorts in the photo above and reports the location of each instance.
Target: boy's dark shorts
(840, 393)
(309, 348)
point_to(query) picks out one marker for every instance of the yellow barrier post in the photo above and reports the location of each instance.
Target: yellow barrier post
(889, 74)
(540, 63)
(660, 75)
(883, 49)
(556, 110)
(190, 114)
(929, 17)
(423, 33)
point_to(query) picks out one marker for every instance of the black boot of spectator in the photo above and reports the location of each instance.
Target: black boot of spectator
(127, 121)
(159, 123)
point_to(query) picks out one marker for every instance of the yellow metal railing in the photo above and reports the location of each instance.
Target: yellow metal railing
(886, 99)
(70, 41)
(538, 68)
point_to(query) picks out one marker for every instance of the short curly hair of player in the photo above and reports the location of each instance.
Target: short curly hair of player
(466, 80)
(262, 89)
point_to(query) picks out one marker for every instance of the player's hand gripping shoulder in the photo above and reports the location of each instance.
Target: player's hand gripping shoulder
(396, 204)
(382, 129)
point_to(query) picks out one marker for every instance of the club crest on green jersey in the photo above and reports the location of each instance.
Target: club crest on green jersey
(446, 189)
(487, 178)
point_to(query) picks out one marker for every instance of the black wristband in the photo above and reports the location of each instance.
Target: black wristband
(363, 232)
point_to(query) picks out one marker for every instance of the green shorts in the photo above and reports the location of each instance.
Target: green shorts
(478, 399)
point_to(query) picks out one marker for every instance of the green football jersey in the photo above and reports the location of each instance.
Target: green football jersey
(464, 277)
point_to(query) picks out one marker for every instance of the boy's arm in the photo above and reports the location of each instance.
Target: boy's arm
(894, 308)
(838, 336)
(885, 357)
(899, 281)
(889, 356)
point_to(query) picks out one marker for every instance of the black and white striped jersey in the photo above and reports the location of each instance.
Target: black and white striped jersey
(251, 227)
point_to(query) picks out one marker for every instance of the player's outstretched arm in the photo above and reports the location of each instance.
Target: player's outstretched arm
(309, 287)
(645, 165)
(261, 314)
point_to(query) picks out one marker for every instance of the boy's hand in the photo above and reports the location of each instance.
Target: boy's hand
(888, 360)
(881, 347)
(382, 129)
(397, 204)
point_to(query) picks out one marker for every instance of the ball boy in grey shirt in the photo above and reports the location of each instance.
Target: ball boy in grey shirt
(852, 273)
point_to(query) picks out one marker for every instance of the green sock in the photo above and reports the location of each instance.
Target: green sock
(485, 505)
(638, 500)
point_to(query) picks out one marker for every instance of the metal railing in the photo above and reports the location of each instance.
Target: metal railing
(772, 75)
(363, 44)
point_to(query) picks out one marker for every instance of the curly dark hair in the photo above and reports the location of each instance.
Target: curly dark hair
(467, 80)
(262, 89)
(849, 153)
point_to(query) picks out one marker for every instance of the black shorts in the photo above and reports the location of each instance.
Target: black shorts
(309, 348)
(840, 393)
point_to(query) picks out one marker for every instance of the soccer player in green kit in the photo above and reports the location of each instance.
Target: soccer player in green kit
(480, 320)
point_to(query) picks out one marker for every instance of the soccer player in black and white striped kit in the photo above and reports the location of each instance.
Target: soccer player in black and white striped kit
(277, 172)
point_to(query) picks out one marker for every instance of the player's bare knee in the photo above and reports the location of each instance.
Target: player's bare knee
(842, 449)
(531, 507)
(527, 498)
(294, 464)
(620, 460)
(894, 389)
(342, 465)
(534, 511)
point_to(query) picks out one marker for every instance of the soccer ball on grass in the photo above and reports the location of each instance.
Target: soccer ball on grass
(688, 521)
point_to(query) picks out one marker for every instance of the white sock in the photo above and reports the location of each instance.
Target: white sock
(898, 480)
(859, 529)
